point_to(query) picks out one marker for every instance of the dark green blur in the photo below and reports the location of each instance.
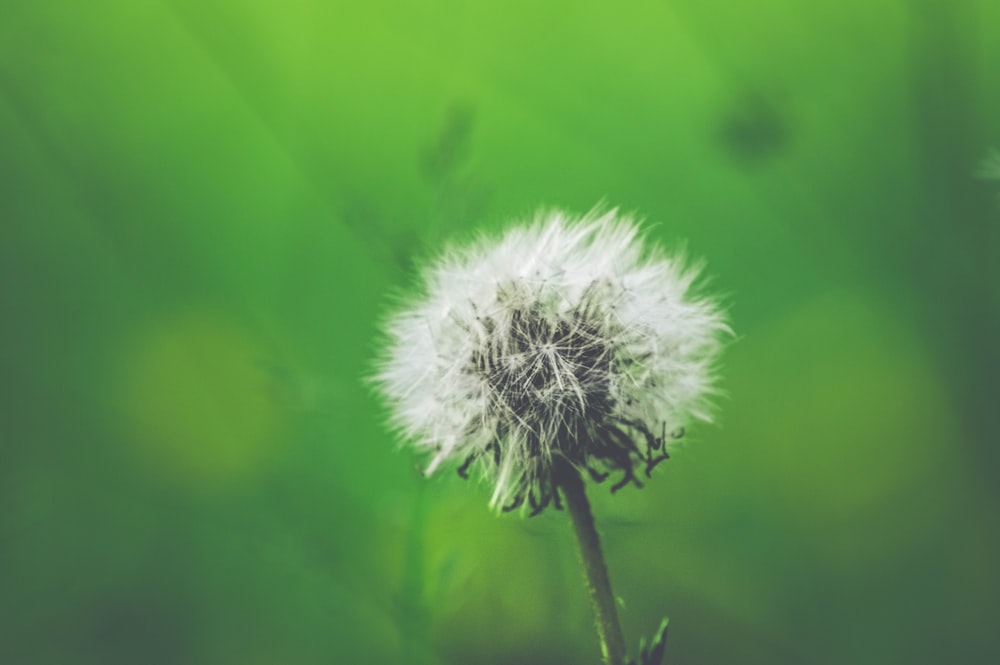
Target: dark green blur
(206, 206)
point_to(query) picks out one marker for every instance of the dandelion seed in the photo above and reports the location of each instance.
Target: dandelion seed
(564, 339)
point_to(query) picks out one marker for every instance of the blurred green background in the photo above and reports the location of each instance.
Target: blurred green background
(206, 206)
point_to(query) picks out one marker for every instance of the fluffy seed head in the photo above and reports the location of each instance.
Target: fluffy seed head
(565, 337)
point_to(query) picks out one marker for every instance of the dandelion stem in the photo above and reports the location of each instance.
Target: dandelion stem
(603, 599)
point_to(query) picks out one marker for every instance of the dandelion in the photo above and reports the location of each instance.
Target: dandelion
(566, 339)
(564, 347)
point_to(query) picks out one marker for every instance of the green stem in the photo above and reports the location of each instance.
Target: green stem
(603, 599)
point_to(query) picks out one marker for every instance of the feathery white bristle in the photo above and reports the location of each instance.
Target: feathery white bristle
(565, 336)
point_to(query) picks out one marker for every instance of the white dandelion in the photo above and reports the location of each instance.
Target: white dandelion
(565, 347)
(566, 340)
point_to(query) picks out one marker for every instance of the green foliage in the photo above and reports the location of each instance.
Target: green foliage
(205, 208)
(652, 653)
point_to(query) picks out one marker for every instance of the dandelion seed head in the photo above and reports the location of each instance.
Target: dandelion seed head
(566, 336)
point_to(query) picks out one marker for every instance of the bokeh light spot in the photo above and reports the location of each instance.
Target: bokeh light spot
(200, 405)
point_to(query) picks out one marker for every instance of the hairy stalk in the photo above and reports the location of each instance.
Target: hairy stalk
(603, 599)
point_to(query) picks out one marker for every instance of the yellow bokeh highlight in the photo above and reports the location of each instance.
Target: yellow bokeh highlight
(198, 402)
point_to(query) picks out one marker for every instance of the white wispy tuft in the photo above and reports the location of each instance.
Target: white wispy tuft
(564, 337)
